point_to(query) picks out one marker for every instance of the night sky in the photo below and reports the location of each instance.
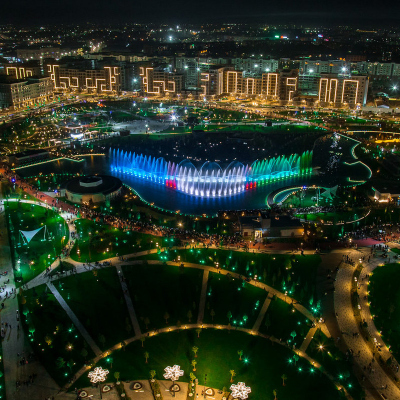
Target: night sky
(173, 11)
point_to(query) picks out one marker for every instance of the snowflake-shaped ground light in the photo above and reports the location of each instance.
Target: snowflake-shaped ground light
(240, 391)
(173, 373)
(98, 375)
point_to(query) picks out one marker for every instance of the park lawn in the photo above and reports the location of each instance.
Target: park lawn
(293, 273)
(97, 300)
(217, 355)
(157, 289)
(228, 295)
(99, 241)
(44, 247)
(335, 363)
(53, 333)
(384, 285)
(280, 321)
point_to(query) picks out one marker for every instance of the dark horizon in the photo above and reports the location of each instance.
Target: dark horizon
(179, 12)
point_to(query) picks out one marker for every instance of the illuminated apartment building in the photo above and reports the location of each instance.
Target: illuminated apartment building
(212, 82)
(269, 85)
(288, 85)
(157, 82)
(340, 91)
(24, 93)
(99, 80)
(45, 52)
(21, 71)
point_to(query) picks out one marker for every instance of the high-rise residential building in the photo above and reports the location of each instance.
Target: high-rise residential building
(157, 82)
(105, 79)
(342, 91)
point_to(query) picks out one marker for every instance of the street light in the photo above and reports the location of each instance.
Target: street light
(240, 391)
(173, 373)
(98, 375)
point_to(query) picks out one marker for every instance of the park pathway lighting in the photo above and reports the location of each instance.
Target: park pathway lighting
(240, 391)
(173, 373)
(98, 375)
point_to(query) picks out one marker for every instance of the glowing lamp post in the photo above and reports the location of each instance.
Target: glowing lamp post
(240, 391)
(98, 375)
(173, 373)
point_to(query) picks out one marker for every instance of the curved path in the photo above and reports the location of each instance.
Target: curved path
(363, 355)
(208, 326)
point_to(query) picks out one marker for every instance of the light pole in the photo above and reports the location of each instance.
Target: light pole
(240, 391)
(173, 373)
(98, 375)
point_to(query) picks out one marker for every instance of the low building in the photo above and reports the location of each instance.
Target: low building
(26, 157)
(264, 225)
(91, 189)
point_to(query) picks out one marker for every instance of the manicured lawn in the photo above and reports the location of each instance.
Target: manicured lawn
(156, 290)
(44, 247)
(385, 304)
(280, 321)
(295, 274)
(97, 300)
(99, 241)
(217, 355)
(227, 295)
(53, 334)
(335, 363)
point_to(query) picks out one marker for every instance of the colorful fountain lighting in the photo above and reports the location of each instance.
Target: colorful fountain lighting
(210, 180)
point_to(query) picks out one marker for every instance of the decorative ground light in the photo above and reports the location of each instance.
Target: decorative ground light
(98, 375)
(240, 391)
(173, 373)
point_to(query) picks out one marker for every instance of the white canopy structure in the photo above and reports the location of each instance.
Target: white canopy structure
(27, 236)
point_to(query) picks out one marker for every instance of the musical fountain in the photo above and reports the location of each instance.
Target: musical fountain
(210, 180)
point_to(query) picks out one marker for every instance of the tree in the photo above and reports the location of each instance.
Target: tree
(166, 317)
(240, 352)
(116, 376)
(189, 315)
(212, 313)
(295, 358)
(293, 334)
(192, 377)
(245, 318)
(60, 362)
(70, 364)
(194, 362)
(275, 393)
(198, 331)
(195, 350)
(152, 374)
(233, 373)
(229, 315)
(142, 339)
(283, 377)
(102, 339)
(147, 322)
(146, 355)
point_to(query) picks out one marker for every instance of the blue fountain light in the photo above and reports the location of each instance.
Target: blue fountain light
(210, 180)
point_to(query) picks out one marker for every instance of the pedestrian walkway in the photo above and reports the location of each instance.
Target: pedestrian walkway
(14, 342)
(348, 325)
(308, 338)
(203, 296)
(263, 310)
(75, 320)
(128, 300)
